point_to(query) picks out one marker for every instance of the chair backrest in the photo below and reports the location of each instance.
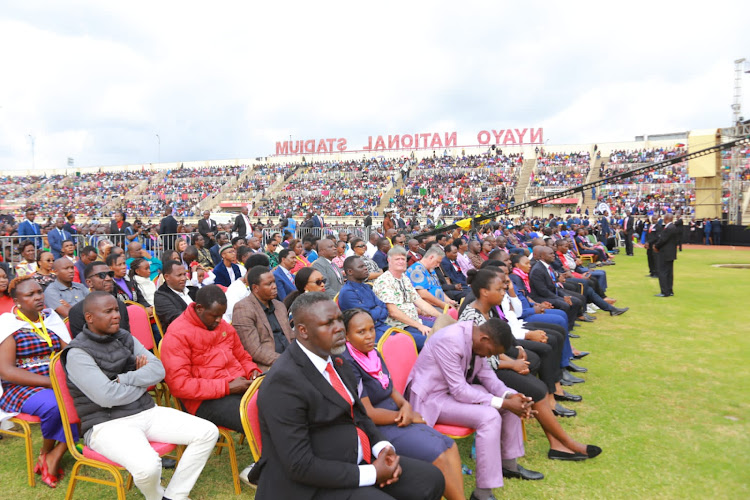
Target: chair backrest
(68, 413)
(251, 419)
(399, 352)
(58, 375)
(140, 326)
(67, 324)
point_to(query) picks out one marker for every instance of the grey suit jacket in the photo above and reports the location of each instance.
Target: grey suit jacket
(334, 281)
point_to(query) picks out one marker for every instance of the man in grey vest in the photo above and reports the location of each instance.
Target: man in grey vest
(109, 373)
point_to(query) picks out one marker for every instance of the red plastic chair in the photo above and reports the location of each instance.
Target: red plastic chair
(399, 352)
(251, 419)
(23, 420)
(140, 326)
(89, 457)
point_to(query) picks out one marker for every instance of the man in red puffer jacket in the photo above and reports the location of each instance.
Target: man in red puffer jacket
(207, 368)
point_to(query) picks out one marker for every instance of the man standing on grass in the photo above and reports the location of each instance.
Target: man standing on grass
(666, 252)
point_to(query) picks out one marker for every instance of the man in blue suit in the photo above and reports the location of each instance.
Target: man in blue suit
(56, 237)
(30, 230)
(317, 221)
(282, 274)
(450, 267)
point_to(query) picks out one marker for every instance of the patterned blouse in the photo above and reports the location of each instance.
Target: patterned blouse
(32, 354)
(399, 292)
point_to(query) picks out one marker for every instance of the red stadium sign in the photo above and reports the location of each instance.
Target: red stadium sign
(429, 140)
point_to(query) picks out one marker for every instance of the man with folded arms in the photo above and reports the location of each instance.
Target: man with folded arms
(109, 373)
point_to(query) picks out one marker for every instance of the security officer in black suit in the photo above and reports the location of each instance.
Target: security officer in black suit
(654, 230)
(666, 250)
(628, 225)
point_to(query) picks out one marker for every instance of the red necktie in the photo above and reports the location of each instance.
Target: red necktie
(339, 387)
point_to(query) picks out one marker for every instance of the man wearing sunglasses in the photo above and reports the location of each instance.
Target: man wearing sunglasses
(99, 278)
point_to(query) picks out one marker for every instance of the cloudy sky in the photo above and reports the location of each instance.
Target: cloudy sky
(97, 81)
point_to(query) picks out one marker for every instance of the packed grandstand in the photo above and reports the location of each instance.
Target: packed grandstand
(457, 186)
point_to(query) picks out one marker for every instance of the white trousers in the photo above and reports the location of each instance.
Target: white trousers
(126, 441)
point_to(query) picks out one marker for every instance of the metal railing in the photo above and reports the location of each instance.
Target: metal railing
(154, 244)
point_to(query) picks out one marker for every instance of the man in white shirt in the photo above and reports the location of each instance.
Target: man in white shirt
(172, 298)
(372, 244)
(310, 414)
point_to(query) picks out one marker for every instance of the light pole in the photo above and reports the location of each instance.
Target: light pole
(33, 159)
(158, 158)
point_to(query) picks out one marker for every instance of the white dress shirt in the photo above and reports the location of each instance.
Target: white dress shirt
(367, 473)
(183, 295)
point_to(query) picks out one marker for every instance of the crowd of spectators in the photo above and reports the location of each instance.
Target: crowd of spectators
(649, 155)
(673, 174)
(560, 170)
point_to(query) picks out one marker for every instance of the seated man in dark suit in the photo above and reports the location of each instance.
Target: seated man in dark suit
(172, 298)
(452, 271)
(261, 321)
(283, 273)
(318, 441)
(545, 287)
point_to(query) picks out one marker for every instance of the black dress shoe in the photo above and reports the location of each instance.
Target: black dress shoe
(576, 369)
(168, 463)
(574, 335)
(474, 497)
(566, 396)
(570, 378)
(528, 475)
(582, 355)
(561, 455)
(589, 317)
(662, 295)
(560, 411)
(586, 319)
(593, 451)
(617, 311)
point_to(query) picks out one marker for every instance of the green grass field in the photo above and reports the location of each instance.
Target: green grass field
(667, 397)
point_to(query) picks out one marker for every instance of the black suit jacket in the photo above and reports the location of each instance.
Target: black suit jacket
(168, 305)
(667, 242)
(168, 225)
(205, 227)
(239, 226)
(542, 286)
(653, 236)
(308, 434)
(630, 226)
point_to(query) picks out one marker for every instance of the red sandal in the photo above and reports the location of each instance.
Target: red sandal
(41, 468)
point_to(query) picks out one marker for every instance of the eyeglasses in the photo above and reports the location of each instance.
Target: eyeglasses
(318, 282)
(360, 246)
(103, 275)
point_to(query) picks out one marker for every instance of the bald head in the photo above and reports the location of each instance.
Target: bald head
(102, 313)
(64, 270)
(134, 249)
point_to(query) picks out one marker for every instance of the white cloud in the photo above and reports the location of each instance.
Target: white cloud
(98, 81)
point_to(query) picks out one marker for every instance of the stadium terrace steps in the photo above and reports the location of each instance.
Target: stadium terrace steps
(594, 175)
(523, 179)
(388, 194)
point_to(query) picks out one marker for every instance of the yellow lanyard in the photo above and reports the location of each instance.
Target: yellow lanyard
(41, 332)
